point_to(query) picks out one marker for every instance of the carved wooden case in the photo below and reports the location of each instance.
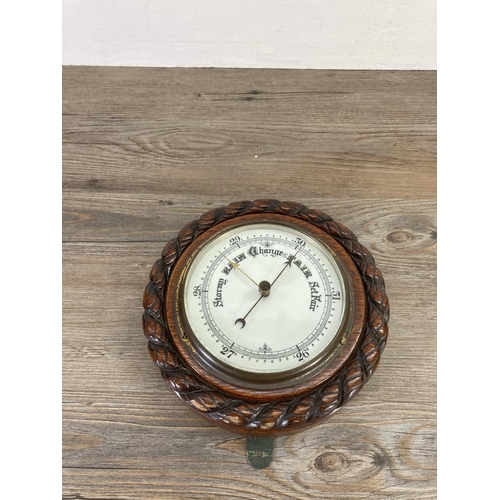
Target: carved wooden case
(278, 411)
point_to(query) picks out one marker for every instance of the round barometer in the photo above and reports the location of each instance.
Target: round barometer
(265, 317)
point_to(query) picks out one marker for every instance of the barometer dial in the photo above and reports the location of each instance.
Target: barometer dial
(264, 298)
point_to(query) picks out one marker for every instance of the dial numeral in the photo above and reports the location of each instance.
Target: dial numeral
(226, 351)
(300, 242)
(302, 355)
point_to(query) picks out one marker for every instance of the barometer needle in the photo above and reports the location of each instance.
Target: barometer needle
(237, 266)
(288, 263)
(265, 289)
(242, 320)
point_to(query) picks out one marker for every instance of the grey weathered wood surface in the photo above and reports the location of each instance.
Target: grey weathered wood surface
(146, 150)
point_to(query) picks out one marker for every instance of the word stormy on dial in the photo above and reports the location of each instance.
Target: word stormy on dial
(218, 296)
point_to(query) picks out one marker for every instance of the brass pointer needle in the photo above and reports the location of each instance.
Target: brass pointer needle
(237, 266)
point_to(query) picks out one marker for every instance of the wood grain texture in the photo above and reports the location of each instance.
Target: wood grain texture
(147, 150)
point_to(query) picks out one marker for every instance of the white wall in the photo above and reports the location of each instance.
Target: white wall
(338, 34)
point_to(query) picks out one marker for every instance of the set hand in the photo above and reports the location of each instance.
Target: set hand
(237, 266)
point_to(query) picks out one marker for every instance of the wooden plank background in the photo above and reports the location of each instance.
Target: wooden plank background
(146, 150)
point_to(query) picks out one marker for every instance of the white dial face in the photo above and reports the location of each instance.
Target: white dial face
(264, 298)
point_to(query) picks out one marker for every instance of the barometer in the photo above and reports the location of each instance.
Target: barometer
(265, 317)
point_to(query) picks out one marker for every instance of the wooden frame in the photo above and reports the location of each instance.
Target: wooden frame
(268, 412)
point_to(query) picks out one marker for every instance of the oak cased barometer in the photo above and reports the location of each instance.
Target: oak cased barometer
(265, 317)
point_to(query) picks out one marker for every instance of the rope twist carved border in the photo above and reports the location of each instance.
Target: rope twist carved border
(278, 416)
